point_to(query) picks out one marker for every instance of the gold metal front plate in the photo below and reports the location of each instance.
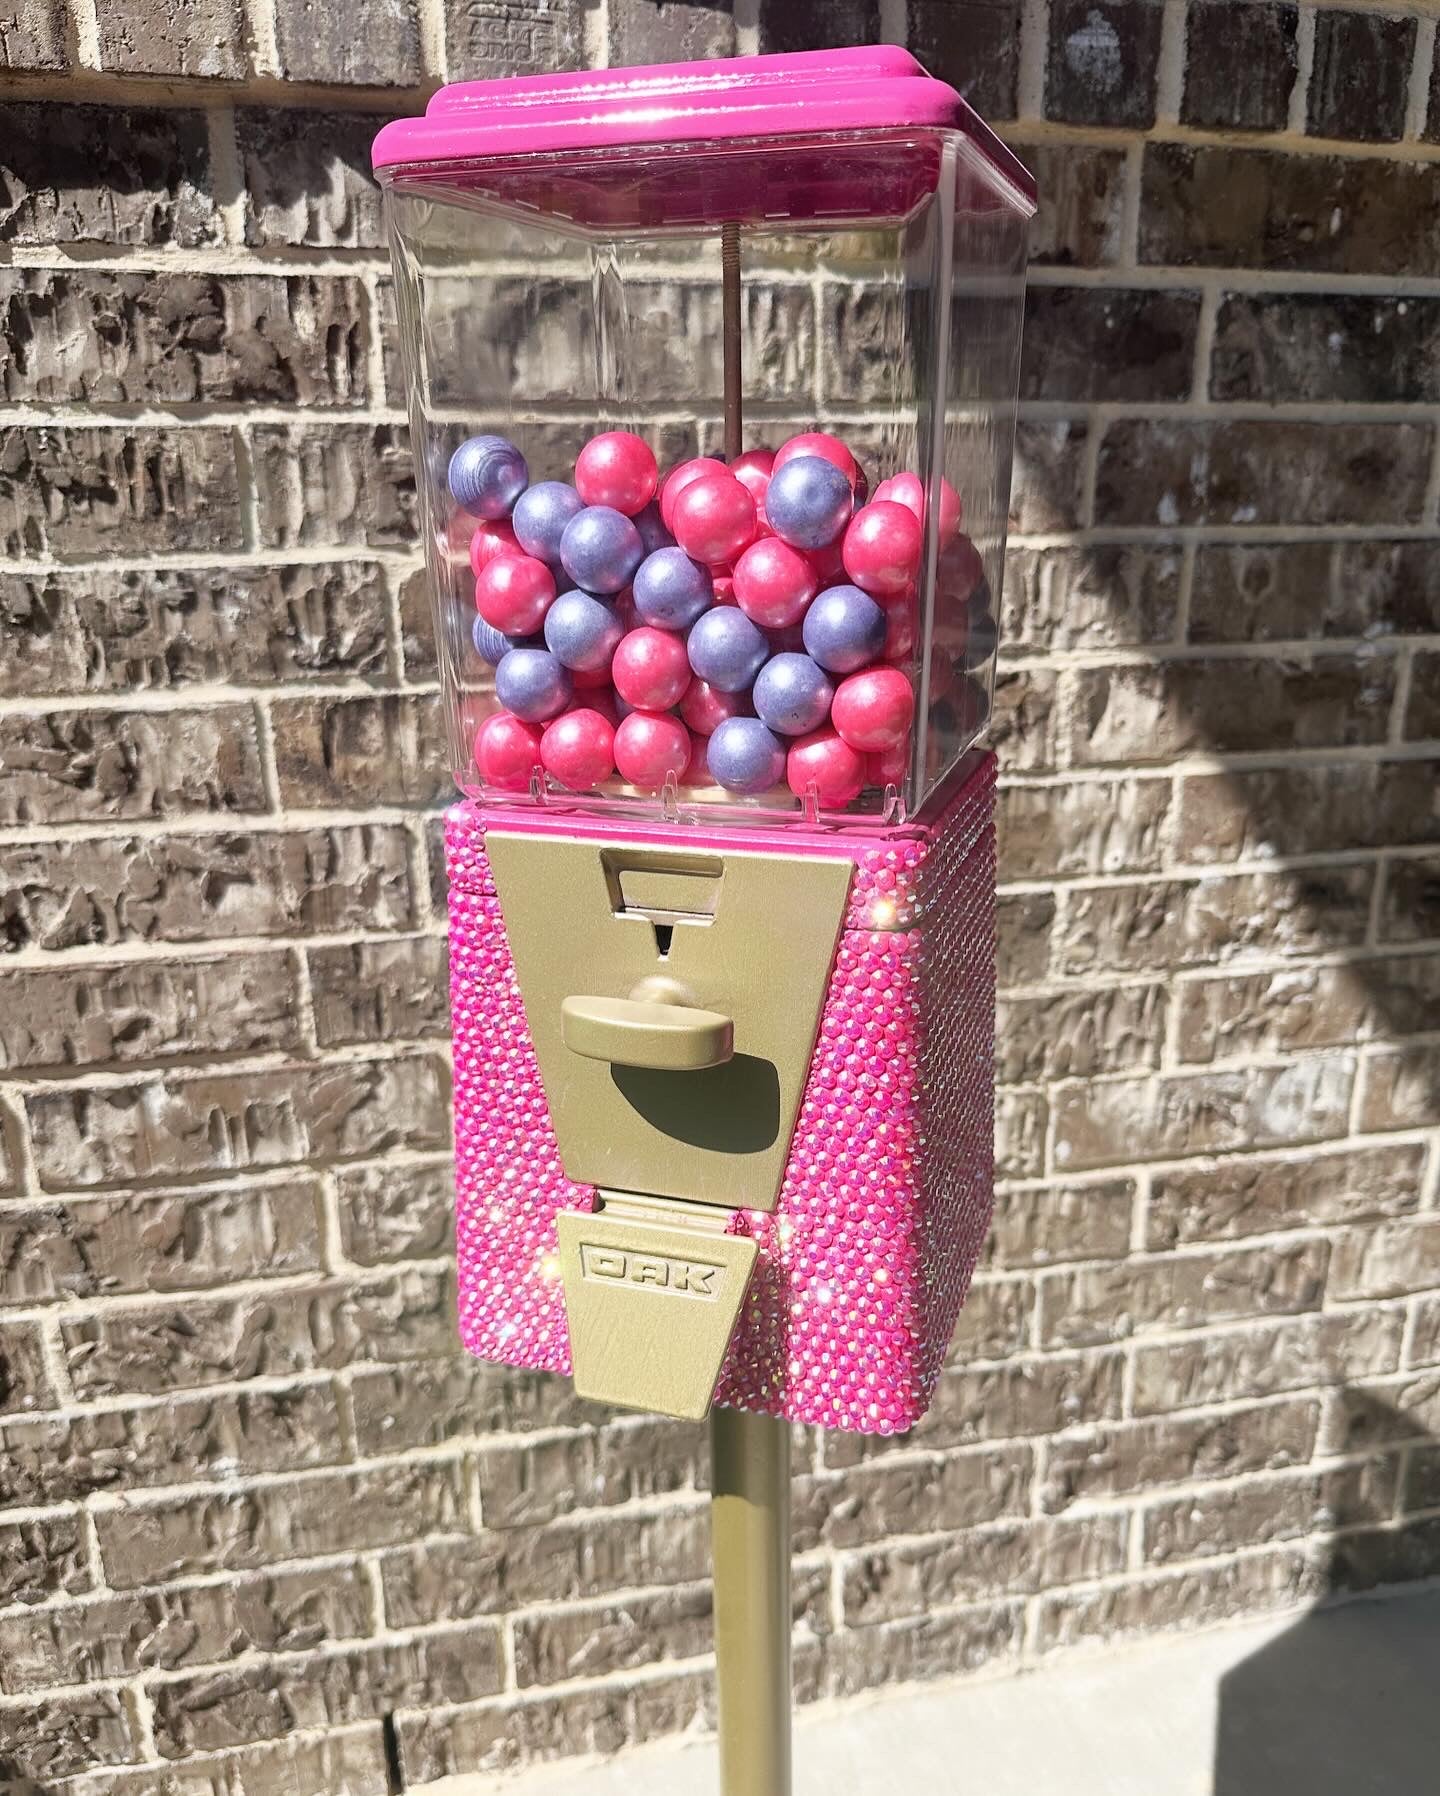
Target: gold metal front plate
(655, 950)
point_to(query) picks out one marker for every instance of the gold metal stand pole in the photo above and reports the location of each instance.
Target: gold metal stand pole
(750, 1524)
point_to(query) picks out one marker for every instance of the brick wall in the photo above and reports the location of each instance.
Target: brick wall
(252, 1501)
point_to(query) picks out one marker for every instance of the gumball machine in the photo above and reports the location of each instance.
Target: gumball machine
(712, 374)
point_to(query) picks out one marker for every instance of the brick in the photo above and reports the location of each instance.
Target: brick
(424, 1403)
(147, 1010)
(1241, 61)
(1098, 826)
(1386, 1259)
(1061, 1222)
(639, 1459)
(66, 1458)
(395, 1212)
(107, 630)
(932, 1646)
(1238, 1197)
(162, 1128)
(1021, 1120)
(1410, 903)
(1255, 1512)
(1081, 214)
(1024, 723)
(177, 888)
(33, 36)
(1265, 1361)
(1068, 1034)
(972, 44)
(995, 1321)
(1105, 596)
(1047, 489)
(599, 1639)
(1422, 709)
(1273, 592)
(1196, 1595)
(1307, 810)
(418, 657)
(182, 338)
(1136, 1456)
(43, 1558)
(1012, 1401)
(1257, 471)
(1023, 922)
(265, 1334)
(818, 24)
(1361, 76)
(1400, 1088)
(161, 1241)
(1421, 1488)
(1176, 923)
(1308, 1007)
(24, 1381)
(264, 1700)
(671, 31)
(1244, 208)
(1312, 347)
(912, 1494)
(384, 749)
(112, 1637)
(533, 1483)
(1140, 1296)
(344, 484)
(484, 38)
(380, 991)
(350, 1759)
(1101, 62)
(506, 1734)
(105, 174)
(64, 1735)
(80, 491)
(1116, 1122)
(377, 42)
(205, 39)
(1364, 1417)
(307, 178)
(1108, 344)
(1372, 1557)
(156, 1539)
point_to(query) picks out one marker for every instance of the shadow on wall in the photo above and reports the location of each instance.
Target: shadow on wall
(1346, 1702)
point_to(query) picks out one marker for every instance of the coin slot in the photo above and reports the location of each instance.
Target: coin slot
(663, 935)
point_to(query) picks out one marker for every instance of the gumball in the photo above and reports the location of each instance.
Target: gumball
(909, 490)
(844, 629)
(617, 468)
(792, 695)
(532, 684)
(724, 585)
(828, 563)
(671, 590)
(872, 710)
(713, 518)
(809, 502)
(594, 680)
(726, 649)
(862, 486)
(888, 767)
(487, 475)
(650, 670)
(624, 603)
(582, 632)
(599, 699)
(961, 570)
(649, 746)
(653, 533)
(541, 515)
(578, 749)
(493, 645)
(752, 470)
(826, 765)
(490, 540)
(513, 592)
(901, 620)
(697, 768)
(816, 442)
(984, 635)
(679, 478)
(774, 583)
(881, 549)
(744, 757)
(705, 707)
(507, 750)
(601, 549)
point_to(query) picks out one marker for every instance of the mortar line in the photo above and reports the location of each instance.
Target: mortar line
(1417, 103)
(1170, 72)
(433, 53)
(229, 183)
(86, 22)
(1030, 76)
(747, 27)
(1305, 68)
(893, 22)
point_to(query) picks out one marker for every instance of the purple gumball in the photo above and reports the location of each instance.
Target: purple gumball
(487, 475)
(844, 629)
(581, 632)
(601, 549)
(532, 684)
(808, 502)
(671, 590)
(792, 695)
(651, 526)
(726, 649)
(540, 516)
(493, 645)
(743, 756)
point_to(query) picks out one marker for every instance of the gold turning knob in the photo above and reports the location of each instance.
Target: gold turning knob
(668, 1037)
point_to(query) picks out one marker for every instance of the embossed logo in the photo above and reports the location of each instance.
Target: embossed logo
(649, 1271)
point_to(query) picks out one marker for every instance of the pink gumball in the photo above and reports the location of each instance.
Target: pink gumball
(513, 593)
(774, 584)
(713, 518)
(889, 767)
(697, 768)
(821, 761)
(961, 569)
(596, 700)
(909, 490)
(578, 749)
(724, 585)
(901, 625)
(506, 752)
(651, 669)
(829, 563)
(752, 470)
(881, 548)
(649, 747)
(872, 710)
(624, 608)
(590, 680)
(618, 469)
(704, 707)
(490, 540)
(679, 478)
(816, 442)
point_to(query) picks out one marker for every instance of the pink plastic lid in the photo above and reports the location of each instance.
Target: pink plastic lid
(807, 92)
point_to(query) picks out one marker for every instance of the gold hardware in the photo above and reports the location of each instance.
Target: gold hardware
(668, 1037)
